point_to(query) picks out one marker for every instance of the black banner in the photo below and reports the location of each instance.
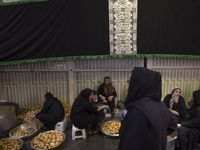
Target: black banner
(54, 28)
(168, 27)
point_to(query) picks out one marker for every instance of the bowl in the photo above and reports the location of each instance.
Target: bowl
(26, 126)
(52, 147)
(109, 134)
(20, 141)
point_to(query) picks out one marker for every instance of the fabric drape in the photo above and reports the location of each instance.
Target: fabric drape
(168, 27)
(54, 28)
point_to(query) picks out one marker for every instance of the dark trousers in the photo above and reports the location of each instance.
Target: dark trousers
(101, 116)
(48, 120)
(188, 138)
(111, 104)
(95, 122)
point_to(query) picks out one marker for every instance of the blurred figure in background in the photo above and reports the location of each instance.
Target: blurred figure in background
(189, 104)
(189, 131)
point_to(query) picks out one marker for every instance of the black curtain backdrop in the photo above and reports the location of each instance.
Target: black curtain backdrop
(168, 27)
(54, 28)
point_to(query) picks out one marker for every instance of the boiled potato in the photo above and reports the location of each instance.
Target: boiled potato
(49, 139)
(111, 127)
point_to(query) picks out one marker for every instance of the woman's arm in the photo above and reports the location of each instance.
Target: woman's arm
(102, 107)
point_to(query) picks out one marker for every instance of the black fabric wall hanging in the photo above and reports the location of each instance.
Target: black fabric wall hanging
(54, 28)
(168, 27)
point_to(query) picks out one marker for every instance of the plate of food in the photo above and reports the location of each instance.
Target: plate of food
(25, 131)
(11, 143)
(48, 140)
(111, 128)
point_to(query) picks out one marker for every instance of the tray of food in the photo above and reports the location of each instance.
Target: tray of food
(25, 131)
(11, 143)
(111, 128)
(48, 140)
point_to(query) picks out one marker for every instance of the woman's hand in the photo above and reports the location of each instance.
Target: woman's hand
(105, 101)
(33, 117)
(102, 97)
(174, 112)
(110, 98)
(178, 125)
(102, 107)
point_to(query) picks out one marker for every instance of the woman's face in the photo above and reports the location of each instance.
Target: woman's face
(177, 92)
(106, 81)
(90, 97)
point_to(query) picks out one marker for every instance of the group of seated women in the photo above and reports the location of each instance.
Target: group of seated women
(87, 109)
(148, 121)
(188, 117)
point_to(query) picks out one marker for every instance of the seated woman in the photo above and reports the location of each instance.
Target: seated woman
(84, 113)
(189, 104)
(96, 101)
(107, 93)
(51, 113)
(189, 131)
(176, 104)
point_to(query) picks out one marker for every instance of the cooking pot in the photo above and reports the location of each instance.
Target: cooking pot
(8, 118)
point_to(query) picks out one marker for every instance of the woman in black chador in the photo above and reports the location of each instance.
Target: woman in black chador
(189, 131)
(107, 93)
(148, 120)
(176, 104)
(84, 113)
(52, 111)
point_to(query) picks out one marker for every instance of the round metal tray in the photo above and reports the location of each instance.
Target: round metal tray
(25, 126)
(108, 134)
(20, 141)
(52, 147)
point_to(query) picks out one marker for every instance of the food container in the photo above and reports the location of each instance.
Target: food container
(8, 119)
(108, 134)
(35, 127)
(20, 141)
(171, 141)
(52, 147)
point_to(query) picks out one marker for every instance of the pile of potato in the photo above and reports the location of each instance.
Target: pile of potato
(111, 127)
(21, 132)
(28, 114)
(68, 109)
(49, 139)
(10, 144)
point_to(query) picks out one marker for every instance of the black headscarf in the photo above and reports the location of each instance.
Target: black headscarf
(196, 97)
(148, 120)
(144, 83)
(196, 103)
(83, 97)
(48, 96)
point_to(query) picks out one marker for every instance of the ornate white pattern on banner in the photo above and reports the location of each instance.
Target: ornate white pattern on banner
(122, 22)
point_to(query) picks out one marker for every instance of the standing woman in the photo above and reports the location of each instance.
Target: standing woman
(176, 104)
(148, 121)
(84, 113)
(107, 93)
